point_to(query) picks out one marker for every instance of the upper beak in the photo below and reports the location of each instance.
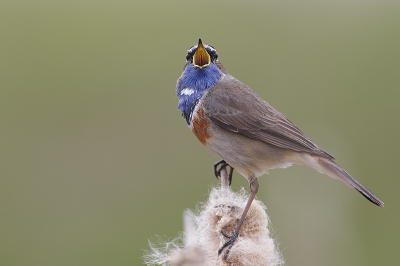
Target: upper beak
(201, 58)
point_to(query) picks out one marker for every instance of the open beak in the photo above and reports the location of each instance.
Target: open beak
(201, 58)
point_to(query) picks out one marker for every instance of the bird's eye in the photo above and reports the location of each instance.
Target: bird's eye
(213, 55)
(189, 56)
(190, 53)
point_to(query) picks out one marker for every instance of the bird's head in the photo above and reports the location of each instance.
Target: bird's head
(201, 55)
(201, 72)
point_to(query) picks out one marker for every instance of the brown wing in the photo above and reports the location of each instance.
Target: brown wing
(235, 107)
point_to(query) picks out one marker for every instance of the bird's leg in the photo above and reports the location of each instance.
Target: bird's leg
(253, 188)
(222, 164)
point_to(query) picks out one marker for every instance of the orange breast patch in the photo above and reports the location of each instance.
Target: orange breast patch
(200, 126)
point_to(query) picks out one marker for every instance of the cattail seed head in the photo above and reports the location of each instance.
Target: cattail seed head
(202, 235)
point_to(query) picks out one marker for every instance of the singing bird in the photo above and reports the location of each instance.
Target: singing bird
(248, 134)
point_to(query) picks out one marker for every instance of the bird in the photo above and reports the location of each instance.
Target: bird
(247, 133)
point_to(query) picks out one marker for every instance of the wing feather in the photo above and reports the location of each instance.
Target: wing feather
(235, 107)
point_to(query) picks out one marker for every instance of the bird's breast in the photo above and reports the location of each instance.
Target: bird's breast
(200, 124)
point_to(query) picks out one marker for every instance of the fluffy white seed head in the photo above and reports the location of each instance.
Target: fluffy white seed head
(202, 237)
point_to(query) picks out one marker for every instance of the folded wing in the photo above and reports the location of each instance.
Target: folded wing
(235, 107)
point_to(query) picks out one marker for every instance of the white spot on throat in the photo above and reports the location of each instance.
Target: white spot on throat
(187, 91)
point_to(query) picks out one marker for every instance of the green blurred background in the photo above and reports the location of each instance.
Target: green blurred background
(96, 158)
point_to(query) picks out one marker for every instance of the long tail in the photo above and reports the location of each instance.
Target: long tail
(332, 169)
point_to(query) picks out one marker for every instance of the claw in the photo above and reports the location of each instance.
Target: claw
(217, 171)
(230, 175)
(225, 235)
(229, 243)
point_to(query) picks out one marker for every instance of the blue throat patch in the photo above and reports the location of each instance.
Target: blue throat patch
(192, 85)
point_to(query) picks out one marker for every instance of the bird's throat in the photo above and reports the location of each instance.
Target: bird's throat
(192, 86)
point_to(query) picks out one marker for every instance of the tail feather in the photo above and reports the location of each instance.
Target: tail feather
(332, 169)
(337, 172)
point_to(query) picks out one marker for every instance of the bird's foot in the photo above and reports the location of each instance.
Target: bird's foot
(229, 243)
(218, 166)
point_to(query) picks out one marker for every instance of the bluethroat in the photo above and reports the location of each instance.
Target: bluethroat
(245, 131)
